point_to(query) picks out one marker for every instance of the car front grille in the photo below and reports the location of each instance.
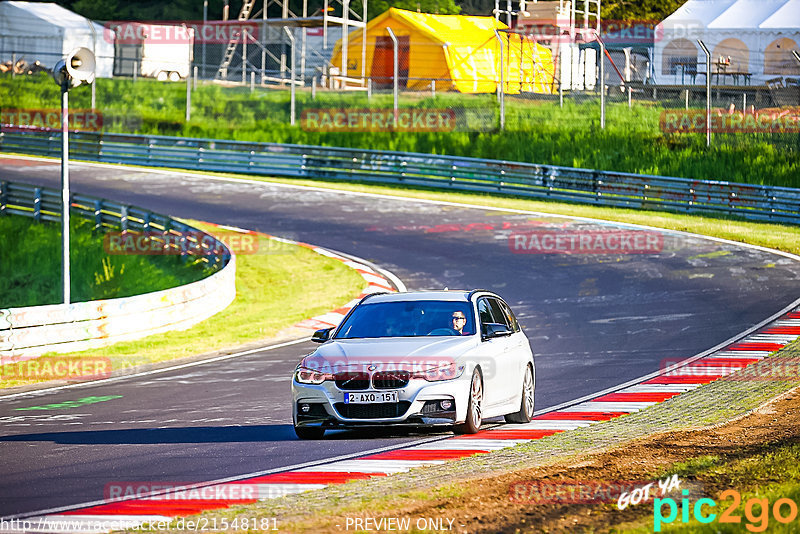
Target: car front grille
(391, 379)
(372, 411)
(351, 380)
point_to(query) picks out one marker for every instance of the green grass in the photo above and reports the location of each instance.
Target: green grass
(538, 131)
(30, 270)
(770, 471)
(274, 290)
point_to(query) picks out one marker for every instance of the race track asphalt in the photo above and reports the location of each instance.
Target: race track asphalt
(594, 321)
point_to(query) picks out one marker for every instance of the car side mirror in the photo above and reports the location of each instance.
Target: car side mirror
(493, 330)
(321, 336)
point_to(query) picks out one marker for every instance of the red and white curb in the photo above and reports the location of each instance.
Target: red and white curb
(651, 390)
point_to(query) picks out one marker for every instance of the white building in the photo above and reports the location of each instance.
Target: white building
(750, 41)
(47, 32)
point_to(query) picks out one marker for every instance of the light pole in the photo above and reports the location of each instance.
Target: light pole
(77, 67)
(708, 91)
(395, 68)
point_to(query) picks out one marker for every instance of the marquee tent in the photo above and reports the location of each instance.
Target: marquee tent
(750, 41)
(47, 32)
(459, 52)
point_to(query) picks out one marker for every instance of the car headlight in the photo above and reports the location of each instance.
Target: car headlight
(437, 374)
(305, 375)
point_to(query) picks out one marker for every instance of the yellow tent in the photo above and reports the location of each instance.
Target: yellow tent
(459, 52)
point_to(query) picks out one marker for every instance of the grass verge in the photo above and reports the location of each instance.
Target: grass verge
(536, 131)
(274, 290)
(30, 273)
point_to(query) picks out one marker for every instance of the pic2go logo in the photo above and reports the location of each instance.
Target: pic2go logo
(756, 511)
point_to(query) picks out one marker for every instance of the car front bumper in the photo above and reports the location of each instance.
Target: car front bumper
(419, 404)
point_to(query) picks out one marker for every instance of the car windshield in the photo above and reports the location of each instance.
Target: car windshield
(408, 319)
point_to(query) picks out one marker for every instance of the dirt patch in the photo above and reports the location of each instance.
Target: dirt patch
(569, 496)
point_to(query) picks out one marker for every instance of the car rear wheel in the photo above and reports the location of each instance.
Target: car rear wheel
(472, 424)
(309, 432)
(525, 413)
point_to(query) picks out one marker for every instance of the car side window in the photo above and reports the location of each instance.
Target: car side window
(498, 314)
(484, 312)
(510, 315)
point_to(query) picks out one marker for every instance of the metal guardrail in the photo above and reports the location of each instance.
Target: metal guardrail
(754, 202)
(29, 332)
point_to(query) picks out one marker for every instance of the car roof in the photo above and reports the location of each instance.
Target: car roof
(459, 295)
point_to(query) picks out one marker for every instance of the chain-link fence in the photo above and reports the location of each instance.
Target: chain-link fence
(272, 81)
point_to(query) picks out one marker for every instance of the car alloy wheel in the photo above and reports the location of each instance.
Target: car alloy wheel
(472, 424)
(525, 413)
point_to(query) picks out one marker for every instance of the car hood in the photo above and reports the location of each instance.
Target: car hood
(412, 354)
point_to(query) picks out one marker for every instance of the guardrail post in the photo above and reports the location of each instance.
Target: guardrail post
(146, 222)
(37, 204)
(53, 146)
(123, 219)
(3, 197)
(98, 215)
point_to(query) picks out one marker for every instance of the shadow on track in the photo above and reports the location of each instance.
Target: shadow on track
(206, 434)
(140, 436)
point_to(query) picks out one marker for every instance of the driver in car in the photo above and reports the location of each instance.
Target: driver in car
(459, 320)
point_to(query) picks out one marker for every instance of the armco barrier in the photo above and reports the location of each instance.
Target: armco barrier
(29, 332)
(755, 202)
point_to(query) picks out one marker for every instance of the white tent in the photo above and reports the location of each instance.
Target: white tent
(47, 32)
(750, 41)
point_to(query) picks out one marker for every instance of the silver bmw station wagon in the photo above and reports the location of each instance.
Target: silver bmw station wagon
(423, 358)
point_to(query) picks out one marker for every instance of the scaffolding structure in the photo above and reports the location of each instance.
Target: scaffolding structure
(566, 27)
(273, 35)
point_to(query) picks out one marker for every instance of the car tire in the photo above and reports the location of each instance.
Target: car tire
(472, 424)
(309, 432)
(525, 413)
(174, 77)
(162, 76)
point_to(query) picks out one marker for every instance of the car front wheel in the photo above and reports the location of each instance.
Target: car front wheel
(525, 413)
(472, 424)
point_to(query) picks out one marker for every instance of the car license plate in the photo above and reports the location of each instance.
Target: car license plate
(370, 397)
